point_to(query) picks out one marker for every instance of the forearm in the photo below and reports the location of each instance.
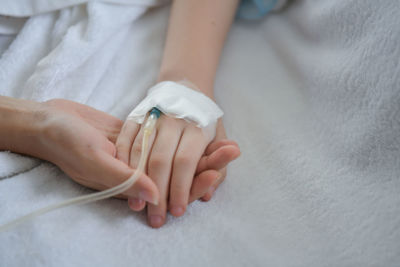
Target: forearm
(19, 124)
(196, 34)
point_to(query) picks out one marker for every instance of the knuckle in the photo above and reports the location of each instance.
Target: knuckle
(157, 161)
(91, 149)
(121, 146)
(93, 155)
(172, 123)
(136, 149)
(183, 159)
(123, 138)
(128, 123)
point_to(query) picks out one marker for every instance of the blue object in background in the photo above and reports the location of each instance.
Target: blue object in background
(255, 9)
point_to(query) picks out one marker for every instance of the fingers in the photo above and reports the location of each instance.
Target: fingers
(111, 172)
(172, 169)
(224, 152)
(190, 149)
(136, 148)
(202, 183)
(136, 204)
(211, 170)
(207, 196)
(125, 140)
(219, 143)
(159, 167)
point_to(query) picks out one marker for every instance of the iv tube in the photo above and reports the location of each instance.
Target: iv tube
(148, 129)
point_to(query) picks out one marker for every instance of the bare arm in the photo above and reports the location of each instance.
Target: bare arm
(20, 122)
(196, 34)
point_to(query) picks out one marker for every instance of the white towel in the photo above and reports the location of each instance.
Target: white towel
(312, 97)
(72, 53)
(25, 8)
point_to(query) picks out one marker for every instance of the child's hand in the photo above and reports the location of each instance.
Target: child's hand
(177, 156)
(210, 172)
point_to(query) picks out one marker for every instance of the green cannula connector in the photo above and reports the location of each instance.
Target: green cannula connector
(156, 112)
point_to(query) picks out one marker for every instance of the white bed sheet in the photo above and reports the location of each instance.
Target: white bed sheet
(294, 198)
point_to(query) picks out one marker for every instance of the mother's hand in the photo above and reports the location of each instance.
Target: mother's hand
(80, 140)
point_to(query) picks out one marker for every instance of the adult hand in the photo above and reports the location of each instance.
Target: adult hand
(80, 140)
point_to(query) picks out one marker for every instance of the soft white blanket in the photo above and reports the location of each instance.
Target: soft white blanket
(312, 96)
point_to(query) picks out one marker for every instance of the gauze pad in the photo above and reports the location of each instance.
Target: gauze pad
(179, 101)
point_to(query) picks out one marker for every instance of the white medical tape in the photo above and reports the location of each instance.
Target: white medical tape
(179, 101)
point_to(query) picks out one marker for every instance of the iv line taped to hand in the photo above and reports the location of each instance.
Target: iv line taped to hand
(177, 100)
(148, 129)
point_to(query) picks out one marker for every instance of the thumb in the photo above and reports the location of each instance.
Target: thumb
(218, 159)
(114, 172)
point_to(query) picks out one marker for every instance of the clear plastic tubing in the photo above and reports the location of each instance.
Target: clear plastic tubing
(148, 129)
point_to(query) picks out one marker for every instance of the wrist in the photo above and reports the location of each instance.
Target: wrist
(21, 125)
(206, 87)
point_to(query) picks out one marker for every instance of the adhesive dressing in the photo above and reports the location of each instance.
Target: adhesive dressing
(179, 101)
(148, 129)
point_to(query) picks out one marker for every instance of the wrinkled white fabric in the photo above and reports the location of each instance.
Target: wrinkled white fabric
(179, 101)
(318, 180)
(24, 8)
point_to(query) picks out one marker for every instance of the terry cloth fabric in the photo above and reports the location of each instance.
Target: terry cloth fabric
(312, 96)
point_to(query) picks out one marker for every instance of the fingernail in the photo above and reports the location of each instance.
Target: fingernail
(177, 211)
(147, 196)
(135, 201)
(155, 221)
